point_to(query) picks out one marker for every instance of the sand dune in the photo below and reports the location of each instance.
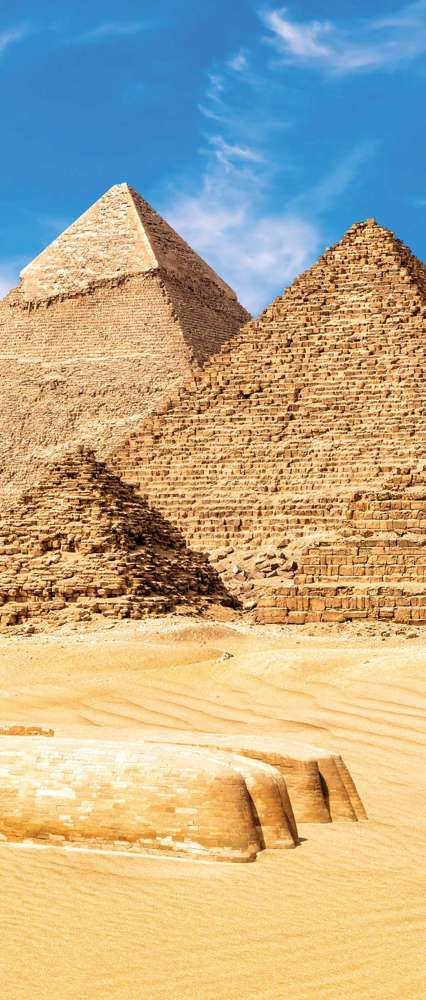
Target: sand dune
(343, 915)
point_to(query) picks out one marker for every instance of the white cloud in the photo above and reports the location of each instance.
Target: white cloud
(257, 254)
(228, 153)
(226, 215)
(226, 218)
(112, 29)
(366, 45)
(11, 36)
(239, 61)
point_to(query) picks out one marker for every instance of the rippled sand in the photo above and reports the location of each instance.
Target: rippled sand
(343, 916)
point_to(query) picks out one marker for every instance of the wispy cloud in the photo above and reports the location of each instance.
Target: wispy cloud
(368, 44)
(110, 30)
(239, 61)
(10, 36)
(316, 200)
(258, 254)
(227, 216)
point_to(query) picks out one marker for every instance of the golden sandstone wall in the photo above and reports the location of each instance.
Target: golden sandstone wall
(105, 323)
(298, 454)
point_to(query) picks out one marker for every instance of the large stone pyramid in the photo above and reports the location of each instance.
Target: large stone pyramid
(82, 543)
(298, 459)
(105, 322)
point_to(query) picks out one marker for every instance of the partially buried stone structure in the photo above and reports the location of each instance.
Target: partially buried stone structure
(298, 456)
(225, 799)
(106, 321)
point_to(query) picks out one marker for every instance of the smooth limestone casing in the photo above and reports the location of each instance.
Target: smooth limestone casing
(154, 799)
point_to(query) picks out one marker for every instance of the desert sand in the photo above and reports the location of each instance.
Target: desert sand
(342, 916)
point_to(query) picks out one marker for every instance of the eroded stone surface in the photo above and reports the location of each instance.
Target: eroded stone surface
(178, 797)
(84, 543)
(298, 456)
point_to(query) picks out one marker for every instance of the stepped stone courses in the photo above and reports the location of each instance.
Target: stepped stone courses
(298, 454)
(320, 787)
(105, 323)
(224, 797)
(83, 543)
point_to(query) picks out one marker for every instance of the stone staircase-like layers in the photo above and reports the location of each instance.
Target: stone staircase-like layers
(319, 400)
(82, 543)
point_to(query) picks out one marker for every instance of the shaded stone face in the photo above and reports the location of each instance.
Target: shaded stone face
(317, 783)
(298, 457)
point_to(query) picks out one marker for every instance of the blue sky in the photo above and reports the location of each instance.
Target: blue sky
(260, 131)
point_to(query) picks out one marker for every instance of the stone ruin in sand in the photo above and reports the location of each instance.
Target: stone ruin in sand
(288, 449)
(213, 797)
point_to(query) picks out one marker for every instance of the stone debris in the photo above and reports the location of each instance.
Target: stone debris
(107, 321)
(82, 543)
(298, 453)
(14, 729)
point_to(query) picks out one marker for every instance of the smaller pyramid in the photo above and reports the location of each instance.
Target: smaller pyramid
(82, 543)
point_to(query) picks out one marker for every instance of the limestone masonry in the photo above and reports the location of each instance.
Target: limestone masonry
(83, 543)
(320, 787)
(106, 322)
(296, 459)
(226, 798)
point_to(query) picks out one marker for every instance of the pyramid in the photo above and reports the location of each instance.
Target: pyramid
(313, 416)
(82, 543)
(105, 323)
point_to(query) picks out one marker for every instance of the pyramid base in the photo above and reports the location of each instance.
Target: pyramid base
(343, 601)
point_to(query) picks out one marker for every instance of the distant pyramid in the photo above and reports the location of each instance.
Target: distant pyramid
(321, 399)
(83, 543)
(119, 236)
(105, 323)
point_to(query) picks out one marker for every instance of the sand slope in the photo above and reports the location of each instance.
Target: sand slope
(343, 916)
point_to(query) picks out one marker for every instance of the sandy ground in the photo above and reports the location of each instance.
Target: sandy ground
(343, 916)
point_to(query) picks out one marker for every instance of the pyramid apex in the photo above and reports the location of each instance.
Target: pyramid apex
(118, 236)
